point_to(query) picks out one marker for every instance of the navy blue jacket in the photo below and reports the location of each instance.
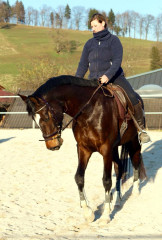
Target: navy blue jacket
(102, 54)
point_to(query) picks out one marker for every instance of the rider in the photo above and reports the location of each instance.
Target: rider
(103, 54)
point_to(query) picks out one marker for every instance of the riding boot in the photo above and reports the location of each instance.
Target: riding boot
(140, 118)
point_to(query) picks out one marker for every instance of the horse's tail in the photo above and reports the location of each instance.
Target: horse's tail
(125, 162)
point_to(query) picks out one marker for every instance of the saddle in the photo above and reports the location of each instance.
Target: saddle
(125, 107)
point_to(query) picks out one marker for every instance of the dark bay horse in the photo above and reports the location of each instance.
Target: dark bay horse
(96, 129)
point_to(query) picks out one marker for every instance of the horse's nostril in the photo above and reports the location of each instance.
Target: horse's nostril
(54, 148)
(57, 148)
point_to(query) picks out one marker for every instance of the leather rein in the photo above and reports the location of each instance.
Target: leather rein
(60, 129)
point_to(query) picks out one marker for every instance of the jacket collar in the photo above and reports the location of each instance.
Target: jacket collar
(102, 35)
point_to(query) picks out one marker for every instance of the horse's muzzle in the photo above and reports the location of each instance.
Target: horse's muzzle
(54, 144)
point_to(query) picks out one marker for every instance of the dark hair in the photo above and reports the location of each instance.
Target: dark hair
(99, 17)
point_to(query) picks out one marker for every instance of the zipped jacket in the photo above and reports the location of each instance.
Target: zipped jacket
(102, 54)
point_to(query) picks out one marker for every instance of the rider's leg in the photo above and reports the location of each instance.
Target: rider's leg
(138, 110)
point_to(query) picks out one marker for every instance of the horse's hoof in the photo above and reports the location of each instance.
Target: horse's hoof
(88, 214)
(104, 220)
(135, 191)
(117, 199)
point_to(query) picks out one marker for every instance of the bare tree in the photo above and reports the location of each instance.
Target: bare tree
(57, 17)
(129, 21)
(117, 27)
(35, 17)
(61, 14)
(141, 25)
(78, 14)
(135, 19)
(29, 15)
(124, 23)
(158, 27)
(148, 20)
(45, 16)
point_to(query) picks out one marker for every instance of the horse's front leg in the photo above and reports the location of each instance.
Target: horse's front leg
(83, 157)
(118, 171)
(107, 182)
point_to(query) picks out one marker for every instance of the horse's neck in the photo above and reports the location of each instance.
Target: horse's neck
(75, 97)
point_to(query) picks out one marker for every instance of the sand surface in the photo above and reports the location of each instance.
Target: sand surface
(39, 197)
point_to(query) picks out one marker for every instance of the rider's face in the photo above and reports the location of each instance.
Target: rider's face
(97, 26)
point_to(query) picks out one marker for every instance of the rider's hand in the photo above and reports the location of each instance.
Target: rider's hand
(104, 79)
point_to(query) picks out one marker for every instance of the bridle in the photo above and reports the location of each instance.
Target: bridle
(57, 133)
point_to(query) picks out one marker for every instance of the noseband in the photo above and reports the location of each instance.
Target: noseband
(59, 126)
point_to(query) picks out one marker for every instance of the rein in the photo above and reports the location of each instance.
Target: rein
(78, 113)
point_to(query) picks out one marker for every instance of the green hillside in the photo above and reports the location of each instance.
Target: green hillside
(22, 46)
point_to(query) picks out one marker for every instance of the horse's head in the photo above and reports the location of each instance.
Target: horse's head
(50, 119)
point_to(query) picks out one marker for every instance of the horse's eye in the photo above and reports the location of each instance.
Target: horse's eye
(45, 117)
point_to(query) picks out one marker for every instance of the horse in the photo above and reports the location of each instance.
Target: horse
(95, 126)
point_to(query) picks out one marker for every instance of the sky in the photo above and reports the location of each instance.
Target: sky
(118, 6)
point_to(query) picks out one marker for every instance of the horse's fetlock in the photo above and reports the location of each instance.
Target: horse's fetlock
(79, 180)
(107, 184)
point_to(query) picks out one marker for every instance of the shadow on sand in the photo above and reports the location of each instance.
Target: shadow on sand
(152, 162)
(6, 139)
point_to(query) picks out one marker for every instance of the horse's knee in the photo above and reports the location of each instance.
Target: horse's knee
(79, 181)
(107, 182)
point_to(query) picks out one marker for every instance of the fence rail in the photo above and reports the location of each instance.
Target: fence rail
(33, 122)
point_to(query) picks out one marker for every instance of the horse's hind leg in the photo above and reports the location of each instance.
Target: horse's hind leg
(83, 157)
(137, 162)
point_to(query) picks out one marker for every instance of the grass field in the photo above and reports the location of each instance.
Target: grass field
(21, 45)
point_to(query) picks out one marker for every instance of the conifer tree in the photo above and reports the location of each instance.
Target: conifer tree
(90, 14)
(5, 11)
(52, 19)
(67, 14)
(19, 11)
(111, 19)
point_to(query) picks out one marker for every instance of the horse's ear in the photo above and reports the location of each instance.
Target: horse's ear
(35, 100)
(1, 87)
(23, 97)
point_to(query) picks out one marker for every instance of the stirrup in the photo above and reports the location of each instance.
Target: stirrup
(144, 137)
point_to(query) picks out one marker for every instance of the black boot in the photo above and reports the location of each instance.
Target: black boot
(139, 116)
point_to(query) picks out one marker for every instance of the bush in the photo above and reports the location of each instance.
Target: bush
(155, 58)
(31, 77)
(63, 45)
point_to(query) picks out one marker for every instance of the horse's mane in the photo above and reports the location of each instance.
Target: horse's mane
(64, 80)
